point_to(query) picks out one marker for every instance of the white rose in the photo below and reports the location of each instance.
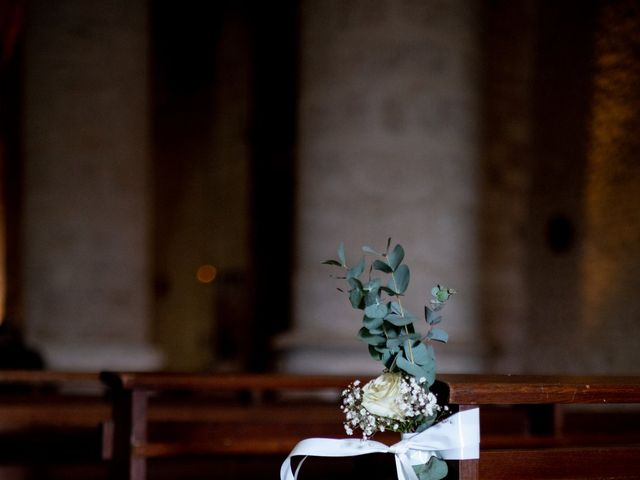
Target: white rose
(381, 395)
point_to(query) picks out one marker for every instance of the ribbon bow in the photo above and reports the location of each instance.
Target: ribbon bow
(455, 438)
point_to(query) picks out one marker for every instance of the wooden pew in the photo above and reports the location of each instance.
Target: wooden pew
(559, 457)
(237, 415)
(262, 415)
(51, 418)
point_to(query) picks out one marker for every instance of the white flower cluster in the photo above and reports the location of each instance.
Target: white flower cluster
(392, 401)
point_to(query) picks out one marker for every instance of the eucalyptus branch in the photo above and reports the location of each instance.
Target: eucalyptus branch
(406, 328)
(388, 327)
(408, 357)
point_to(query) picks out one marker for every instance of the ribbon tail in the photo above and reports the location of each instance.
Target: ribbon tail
(455, 438)
(326, 447)
(285, 470)
(404, 468)
(295, 474)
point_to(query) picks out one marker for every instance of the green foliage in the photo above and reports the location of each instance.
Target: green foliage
(387, 327)
(399, 280)
(438, 335)
(434, 469)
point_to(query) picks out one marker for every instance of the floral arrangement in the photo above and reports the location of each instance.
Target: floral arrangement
(400, 399)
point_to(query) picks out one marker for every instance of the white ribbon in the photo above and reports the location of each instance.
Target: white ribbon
(455, 438)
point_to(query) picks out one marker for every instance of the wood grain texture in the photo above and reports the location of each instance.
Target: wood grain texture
(261, 425)
(524, 389)
(567, 463)
(164, 381)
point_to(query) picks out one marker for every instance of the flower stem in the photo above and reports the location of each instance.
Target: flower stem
(406, 328)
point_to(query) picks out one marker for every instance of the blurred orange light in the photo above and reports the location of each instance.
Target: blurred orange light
(206, 273)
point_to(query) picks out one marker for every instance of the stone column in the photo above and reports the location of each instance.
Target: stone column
(387, 147)
(87, 212)
(507, 166)
(606, 340)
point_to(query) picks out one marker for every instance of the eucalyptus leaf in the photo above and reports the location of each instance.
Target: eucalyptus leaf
(411, 368)
(387, 290)
(395, 257)
(332, 262)
(368, 249)
(377, 310)
(381, 266)
(391, 331)
(389, 358)
(375, 340)
(438, 335)
(412, 337)
(373, 290)
(434, 469)
(375, 354)
(399, 320)
(418, 371)
(394, 343)
(356, 271)
(341, 254)
(371, 298)
(355, 283)
(423, 426)
(435, 305)
(372, 285)
(396, 308)
(423, 354)
(355, 297)
(431, 317)
(372, 322)
(400, 280)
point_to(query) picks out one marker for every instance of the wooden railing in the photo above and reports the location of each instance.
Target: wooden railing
(592, 458)
(531, 427)
(248, 415)
(51, 417)
(542, 451)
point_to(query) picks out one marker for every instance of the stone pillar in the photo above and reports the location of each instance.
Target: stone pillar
(507, 166)
(606, 340)
(87, 212)
(387, 147)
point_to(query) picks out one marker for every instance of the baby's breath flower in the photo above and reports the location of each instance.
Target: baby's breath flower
(409, 404)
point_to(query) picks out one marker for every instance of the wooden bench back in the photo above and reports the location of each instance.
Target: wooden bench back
(51, 417)
(540, 395)
(557, 459)
(261, 415)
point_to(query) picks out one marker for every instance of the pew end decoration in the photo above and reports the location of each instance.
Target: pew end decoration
(400, 399)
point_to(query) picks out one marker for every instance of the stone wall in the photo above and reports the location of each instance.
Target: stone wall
(608, 338)
(494, 140)
(201, 172)
(86, 181)
(560, 223)
(388, 147)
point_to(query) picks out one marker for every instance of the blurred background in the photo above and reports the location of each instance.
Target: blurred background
(174, 173)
